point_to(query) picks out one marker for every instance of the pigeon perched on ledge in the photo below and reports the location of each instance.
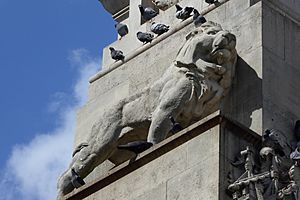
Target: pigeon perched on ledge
(135, 147)
(183, 13)
(159, 28)
(176, 127)
(198, 18)
(144, 37)
(116, 54)
(147, 13)
(122, 29)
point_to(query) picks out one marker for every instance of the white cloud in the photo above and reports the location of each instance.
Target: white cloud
(33, 169)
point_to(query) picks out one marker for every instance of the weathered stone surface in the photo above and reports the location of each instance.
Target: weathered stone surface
(280, 67)
(263, 92)
(291, 42)
(281, 108)
(244, 102)
(147, 178)
(114, 6)
(146, 65)
(190, 89)
(274, 41)
(172, 175)
(194, 183)
(158, 193)
(208, 143)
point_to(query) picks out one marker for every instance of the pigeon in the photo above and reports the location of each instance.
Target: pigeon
(159, 28)
(176, 127)
(147, 13)
(116, 54)
(122, 29)
(210, 1)
(136, 146)
(183, 13)
(198, 18)
(144, 37)
(76, 180)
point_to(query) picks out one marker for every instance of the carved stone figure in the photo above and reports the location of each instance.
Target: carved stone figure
(190, 89)
(276, 179)
(292, 190)
(165, 4)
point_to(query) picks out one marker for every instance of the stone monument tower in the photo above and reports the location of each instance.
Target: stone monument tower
(231, 84)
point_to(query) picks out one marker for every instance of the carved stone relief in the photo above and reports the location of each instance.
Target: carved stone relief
(191, 88)
(276, 174)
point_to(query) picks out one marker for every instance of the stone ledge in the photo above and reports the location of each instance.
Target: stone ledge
(162, 148)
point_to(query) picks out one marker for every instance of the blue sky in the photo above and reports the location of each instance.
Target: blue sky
(48, 50)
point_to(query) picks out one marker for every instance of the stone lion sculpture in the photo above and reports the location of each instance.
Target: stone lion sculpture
(190, 89)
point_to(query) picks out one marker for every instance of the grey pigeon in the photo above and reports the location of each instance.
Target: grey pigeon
(147, 13)
(116, 54)
(183, 13)
(144, 37)
(76, 180)
(176, 127)
(122, 29)
(198, 18)
(136, 146)
(159, 28)
(210, 1)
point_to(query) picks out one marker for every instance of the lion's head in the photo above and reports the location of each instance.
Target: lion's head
(210, 43)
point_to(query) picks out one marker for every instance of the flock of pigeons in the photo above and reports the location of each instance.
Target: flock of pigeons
(149, 13)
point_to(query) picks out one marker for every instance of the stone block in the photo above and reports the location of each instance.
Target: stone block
(157, 193)
(217, 15)
(281, 104)
(246, 27)
(181, 172)
(273, 31)
(202, 148)
(290, 6)
(244, 101)
(235, 8)
(198, 182)
(291, 42)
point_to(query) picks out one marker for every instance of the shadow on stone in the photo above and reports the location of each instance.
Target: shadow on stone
(245, 96)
